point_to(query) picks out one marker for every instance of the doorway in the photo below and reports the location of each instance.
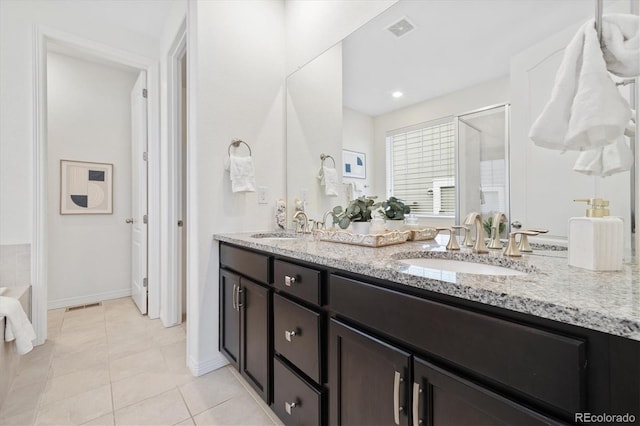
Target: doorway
(182, 185)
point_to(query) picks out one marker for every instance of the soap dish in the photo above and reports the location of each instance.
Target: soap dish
(423, 234)
(369, 240)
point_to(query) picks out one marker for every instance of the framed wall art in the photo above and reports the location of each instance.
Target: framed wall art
(354, 164)
(86, 188)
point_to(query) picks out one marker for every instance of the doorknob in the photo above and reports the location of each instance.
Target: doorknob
(180, 223)
(129, 220)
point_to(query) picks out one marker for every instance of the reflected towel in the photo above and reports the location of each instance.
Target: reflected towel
(605, 161)
(242, 174)
(586, 110)
(329, 179)
(18, 326)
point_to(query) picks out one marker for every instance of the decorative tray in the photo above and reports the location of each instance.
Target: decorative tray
(423, 234)
(369, 240)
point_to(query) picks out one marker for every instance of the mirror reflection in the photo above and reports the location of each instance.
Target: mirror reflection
(478, 73)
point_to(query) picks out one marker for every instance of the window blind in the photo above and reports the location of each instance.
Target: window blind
(422, 167)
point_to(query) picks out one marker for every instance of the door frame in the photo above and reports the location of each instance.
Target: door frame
(39, 248)
(171, 295)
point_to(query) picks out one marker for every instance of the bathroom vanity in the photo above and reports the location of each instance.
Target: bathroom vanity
(335, 334)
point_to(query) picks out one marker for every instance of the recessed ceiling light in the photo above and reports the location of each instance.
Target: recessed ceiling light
(397, 94)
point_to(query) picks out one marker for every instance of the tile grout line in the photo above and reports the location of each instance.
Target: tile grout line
(186, 405)
(252, 393)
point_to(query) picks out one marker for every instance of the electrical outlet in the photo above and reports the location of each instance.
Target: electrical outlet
(262, 195)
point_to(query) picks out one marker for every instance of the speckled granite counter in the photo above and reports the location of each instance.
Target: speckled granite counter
(603, 301)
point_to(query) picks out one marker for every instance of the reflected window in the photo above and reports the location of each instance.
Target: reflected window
(421, 167)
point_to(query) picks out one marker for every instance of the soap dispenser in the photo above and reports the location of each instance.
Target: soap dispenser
(596, 241)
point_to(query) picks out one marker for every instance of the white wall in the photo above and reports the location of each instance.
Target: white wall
(315, 25)
(17, 18)
(89, 119)
(236, 88)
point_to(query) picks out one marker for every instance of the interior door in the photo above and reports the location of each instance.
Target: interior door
(138, 218)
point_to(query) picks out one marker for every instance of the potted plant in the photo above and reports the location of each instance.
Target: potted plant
(358, 211)
(393, 211)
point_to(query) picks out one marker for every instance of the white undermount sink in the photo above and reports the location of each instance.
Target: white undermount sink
(461, 266)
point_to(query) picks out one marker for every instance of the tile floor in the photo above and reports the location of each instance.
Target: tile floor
(109, 365)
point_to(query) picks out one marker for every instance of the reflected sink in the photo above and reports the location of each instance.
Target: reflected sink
(277, 235)
(461, 266)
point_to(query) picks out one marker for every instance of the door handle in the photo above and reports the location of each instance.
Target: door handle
(180, 223)
(129, 220)
(289, 280)
(233, 298)
(397, 379)
(289, 334)
(239, 303)
(288, 406)
(417, 421)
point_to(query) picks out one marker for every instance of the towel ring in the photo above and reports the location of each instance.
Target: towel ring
(236, 143)
(324, 157)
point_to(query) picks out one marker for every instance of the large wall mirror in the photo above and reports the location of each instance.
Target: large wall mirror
(477, 73)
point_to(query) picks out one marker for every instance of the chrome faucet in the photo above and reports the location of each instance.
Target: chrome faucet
(302, 224)
(498, 218)
(324, 218)
(475, 218)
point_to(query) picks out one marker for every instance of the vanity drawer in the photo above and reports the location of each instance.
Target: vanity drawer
(289, 388)
(547, 366)
(298, 281)
(245, 262)
(302, 348)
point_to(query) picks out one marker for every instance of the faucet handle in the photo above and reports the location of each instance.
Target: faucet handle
(512, 249)
(524, 241)
(453, 241)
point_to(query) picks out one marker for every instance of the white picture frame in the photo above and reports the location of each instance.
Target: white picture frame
(354, 164)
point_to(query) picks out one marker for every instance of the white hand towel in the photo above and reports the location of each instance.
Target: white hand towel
(586, 110)
(621, 39)
(18, 327)
(242, 174)
(330, 181)
(605, 161)
(630, 130)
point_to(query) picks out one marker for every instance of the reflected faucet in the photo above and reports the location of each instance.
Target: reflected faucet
(324, 218)
(302, 224)
(475, 218)
(498, 218)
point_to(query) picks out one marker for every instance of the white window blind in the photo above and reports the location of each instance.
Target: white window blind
(422, 167)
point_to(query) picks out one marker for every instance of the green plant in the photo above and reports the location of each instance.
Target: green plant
(358, 210)
(487, 226)
(394, 208)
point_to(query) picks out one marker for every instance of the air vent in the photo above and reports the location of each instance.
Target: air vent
(401, 28)
(90, 305)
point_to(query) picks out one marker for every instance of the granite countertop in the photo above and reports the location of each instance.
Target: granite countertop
(604, 301)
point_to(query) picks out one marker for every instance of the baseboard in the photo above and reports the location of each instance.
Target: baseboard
(198, 369)
(92, 298)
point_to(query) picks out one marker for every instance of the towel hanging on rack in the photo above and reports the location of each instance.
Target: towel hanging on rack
(241, 169)
(328, 176)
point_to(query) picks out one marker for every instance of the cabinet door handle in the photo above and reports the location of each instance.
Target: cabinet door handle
(240, 303)
(233, 298)
(397, 379)
(288, 406)
(289, 334)
(417, 421)
(288, 281)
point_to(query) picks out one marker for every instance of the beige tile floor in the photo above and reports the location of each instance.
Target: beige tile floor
(109, 365)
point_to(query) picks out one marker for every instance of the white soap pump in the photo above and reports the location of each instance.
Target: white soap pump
(596, 241)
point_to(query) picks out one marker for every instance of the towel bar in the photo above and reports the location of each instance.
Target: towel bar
(236, 143)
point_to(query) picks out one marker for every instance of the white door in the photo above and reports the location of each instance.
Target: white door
(139, 193)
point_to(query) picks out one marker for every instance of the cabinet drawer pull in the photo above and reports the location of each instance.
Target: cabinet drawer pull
(289, 280)
(289, 334)
(417, 421)
(288, 406)
(397, 379)
(239, 303)
(233, 298)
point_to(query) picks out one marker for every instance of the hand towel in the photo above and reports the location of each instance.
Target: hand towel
(605, 161)
(630, 130)
(586, 110)
(18, 327)
(330, 181)
(242, 174)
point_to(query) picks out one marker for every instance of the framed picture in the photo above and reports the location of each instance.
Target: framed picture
(86, 188)
(354, 164)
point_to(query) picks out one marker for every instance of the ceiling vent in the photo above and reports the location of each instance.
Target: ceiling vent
(401, 28)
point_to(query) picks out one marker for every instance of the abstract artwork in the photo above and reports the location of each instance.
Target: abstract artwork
(86, 188)
(354, 164)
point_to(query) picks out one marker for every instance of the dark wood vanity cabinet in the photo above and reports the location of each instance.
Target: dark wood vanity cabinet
(245, 326)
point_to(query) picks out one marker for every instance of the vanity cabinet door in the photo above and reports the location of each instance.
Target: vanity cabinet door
(255, 323)
(368, 379)
(442, 398)
(229, 316)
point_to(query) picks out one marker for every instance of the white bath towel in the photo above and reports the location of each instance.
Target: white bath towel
(605, 161)
(329, 179)
(242, 174)
(18, 327)
(586, 110)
